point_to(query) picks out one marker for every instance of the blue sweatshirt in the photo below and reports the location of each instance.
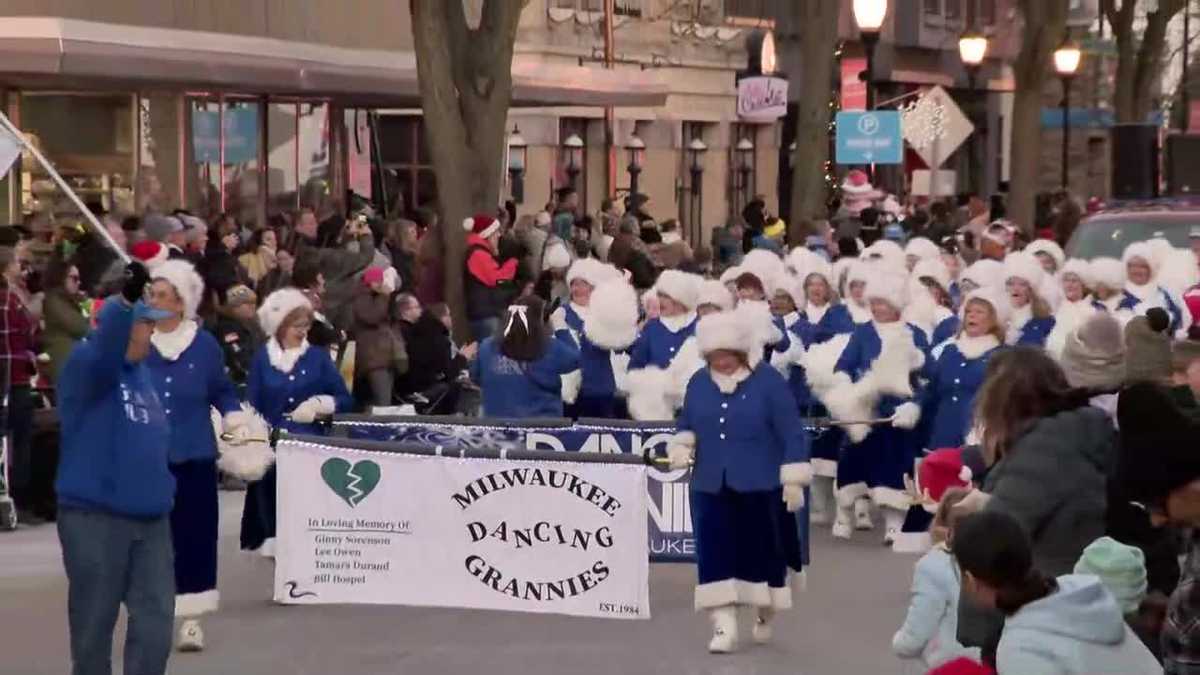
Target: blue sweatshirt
(187, 387)
(274, 393)
(523, 389)
(114, 432)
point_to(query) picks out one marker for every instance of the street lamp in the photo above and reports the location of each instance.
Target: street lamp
(636, 149)
(972, 49)
(573, 145)
(745, 156)
(1066, 63)
(517, 156)
(695, 152)
(869, 15)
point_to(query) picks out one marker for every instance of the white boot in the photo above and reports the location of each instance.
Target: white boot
(843, 526)
(724, 621)
(191, 636)
(894, 522)
(862, 514)
(819, 512)
(762, 630)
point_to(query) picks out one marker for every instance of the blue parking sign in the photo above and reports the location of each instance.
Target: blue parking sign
(869, 137)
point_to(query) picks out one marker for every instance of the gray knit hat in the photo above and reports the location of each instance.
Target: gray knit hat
(1093, 356)
(159, 227)
(1148, 347)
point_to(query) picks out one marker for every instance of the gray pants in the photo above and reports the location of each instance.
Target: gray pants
(381, 381)
(110, 561)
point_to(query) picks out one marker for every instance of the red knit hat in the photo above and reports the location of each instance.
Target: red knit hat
(151, 253)
(962, 666)
(941, 470)
(482, 225)
(373, 275)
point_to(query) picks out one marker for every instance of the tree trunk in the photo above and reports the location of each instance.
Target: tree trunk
(1139, 65)
(1045, 22)
(465, 77)
(817, 23)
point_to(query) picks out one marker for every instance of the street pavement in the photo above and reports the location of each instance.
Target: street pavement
(856, 596)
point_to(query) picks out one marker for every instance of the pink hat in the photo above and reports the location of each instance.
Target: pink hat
(373, 275)
(482, 224)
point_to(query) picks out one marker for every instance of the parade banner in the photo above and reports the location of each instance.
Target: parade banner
(366, 527)
(670, 534)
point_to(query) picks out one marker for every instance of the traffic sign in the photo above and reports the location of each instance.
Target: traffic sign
(869, 137)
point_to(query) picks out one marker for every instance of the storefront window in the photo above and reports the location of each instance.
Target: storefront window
(240, 141)
(204, 168)
(408, 176)
(313, 168)
(282, 152)
(90, 139)
(158, 156)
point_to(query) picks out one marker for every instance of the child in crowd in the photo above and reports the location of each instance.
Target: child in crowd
(930, 628)
(1122, 570)
(1185, 374)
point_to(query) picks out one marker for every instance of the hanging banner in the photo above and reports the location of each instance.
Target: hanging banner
(670, 534)
(360, 527)
(762, 99)
(854, 88)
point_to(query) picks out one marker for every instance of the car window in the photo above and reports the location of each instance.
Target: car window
(1110, 237)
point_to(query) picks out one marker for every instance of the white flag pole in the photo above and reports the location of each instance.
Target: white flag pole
(91, 217)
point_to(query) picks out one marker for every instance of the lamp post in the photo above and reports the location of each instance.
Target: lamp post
(695, 152)
(972, 49)
(745, 156)
(636, 149)
(517, 156)
(869, 15)
(1066, 63)
(573, 145)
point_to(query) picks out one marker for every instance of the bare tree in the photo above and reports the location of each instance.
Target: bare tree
(1139, 64)
(1045, 25)
(816, 22)
(465, 76)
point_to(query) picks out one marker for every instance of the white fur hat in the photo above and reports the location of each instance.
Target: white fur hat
(1145, 251)
(1000, 303)
(763, 264)
(611, 322)
(804, 262)
(557, 256)
(860, 271)
(278, 306)
(1050, 248)
(1108, 272)
(888, 285)
(933, 268)
(887, 251)
(922, 248)
(792, 286)
(1023, 265)
(1179, 271)
(984, 273)
(1080, 268)
(187, 283)
(592, 271)
(681, 287)
(724, 330)
(731, 274)
(714, 293)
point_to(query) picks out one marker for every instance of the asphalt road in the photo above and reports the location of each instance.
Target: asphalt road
(856, 596)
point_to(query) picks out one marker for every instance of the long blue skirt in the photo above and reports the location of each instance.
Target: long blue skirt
(194, 521)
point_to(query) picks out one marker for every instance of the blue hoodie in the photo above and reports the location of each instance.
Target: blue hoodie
(1077, 630)
(114, 432)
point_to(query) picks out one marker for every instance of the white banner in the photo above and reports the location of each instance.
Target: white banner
(382, 528)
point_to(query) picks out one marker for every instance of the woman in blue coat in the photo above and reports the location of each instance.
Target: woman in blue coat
(1032, 318)
(187, 368)
(957, 370)
(291, 385)
(750, 453)
(877, 377)
(519, 370)
(662, 337)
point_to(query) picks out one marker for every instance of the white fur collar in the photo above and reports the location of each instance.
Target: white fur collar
(790, 319)
(816, 312)
(728, 384)
(1111, 303)
(858, 313)
(1020, 317)
(677, 323)
(889, 329)
(284, 360)
(580, 311)
(974, 347)
(1142, 292)
(172, 345)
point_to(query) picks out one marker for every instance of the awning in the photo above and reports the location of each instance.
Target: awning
(43, 53)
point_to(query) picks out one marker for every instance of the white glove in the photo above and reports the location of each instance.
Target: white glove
(237, 424)
(390, 280)
(907, 416)
(308, 411)
(681, 450)
(793, 496)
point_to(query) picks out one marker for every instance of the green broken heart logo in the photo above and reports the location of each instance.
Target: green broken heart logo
(351, 483)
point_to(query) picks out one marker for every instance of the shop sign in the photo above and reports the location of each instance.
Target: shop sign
(241, 136)
(762, 99)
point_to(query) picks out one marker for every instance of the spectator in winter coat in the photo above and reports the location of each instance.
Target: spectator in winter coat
(727, 245)
(488, 283)
(220, 268)
(258, 262)
(430, 268)
(427, 339)
(18, 328)
(673, 253)
(628, 253)
(95, 257)
(168, 231)
(238, 332)
(62, 314)
(311, 282)
(376, 357)
(341, 264)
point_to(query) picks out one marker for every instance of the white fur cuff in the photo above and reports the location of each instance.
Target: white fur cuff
(799, 473)
(236, 419)
(687, 438)
(907, 416)
(196, 604)
(325, 405)
(680, 456)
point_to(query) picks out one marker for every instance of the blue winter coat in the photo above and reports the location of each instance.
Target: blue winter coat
(1035, 331)
(187, 387)
(930, 629)
(515, 389)
(742, 438)
(949, 396)
(836, 321)
(595, 363)
(1131, 302)
(114, 432)
(945, 330)
(274, 393)
(864, 348)
(657, 345)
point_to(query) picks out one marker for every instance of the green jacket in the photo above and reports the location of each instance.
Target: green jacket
(65, 326)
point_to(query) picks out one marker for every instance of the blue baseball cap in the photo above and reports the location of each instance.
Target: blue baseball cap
(144, 312)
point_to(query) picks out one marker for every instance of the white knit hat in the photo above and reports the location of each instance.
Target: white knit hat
(186, 282)
(922, 248)
(1080, 268)
(1001, 305)
(1023, 265)
(592, 271)
(724, 330)
(1108, 272)
(984, 273)
(714, 293)
(278, 306)
(888, 285)
(1050, 248)
(681, 287)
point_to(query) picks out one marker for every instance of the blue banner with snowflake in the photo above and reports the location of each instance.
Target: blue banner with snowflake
(671, 537)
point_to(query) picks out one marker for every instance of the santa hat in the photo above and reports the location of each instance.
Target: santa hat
(922, 248)
(724, 330)
(592, 271)
(612, 317)
(1080, 268)
(962, 666)
(1107, 272)
(933, 268)
(939, 471)
(887, 285)
(1022, 265)
(373, 275)
(714, 293)
(857, 185)
(984, 273)
(278, 306)
(889, 252)
(151, 253)
(1143, 250)
(186, 282)
(482, 224)
(992, 295)
(681, 287)
(1047, 247)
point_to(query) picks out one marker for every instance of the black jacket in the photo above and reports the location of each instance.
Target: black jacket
(239, 342)
(429, 351)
